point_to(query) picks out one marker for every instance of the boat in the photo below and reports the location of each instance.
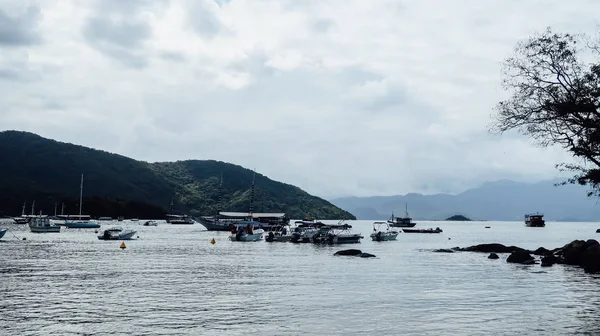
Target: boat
(120, 218)
(305, 232)
(24, 219)
(430, 230)
(535, 220)
(179, 219)
(247, 231)
(81, 221)
(105, 218)
(383, 232)
(134, 220)
(117, 233)
(3, 232)
(41, 224)
(282, 235)
(150, 223)
(223, 220)
(402, 221)
(336, 234)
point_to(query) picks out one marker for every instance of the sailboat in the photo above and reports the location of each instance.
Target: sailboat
(249, 229)
(402, 221)
(82, 221)
(24, 219)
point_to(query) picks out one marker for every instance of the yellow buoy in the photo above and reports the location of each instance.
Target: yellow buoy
(213, 241)
(123, 245)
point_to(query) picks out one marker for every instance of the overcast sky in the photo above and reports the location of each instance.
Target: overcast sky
(338, 97)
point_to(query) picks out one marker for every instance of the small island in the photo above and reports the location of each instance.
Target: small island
(458, 218)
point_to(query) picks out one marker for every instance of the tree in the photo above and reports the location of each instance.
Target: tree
(555, 99)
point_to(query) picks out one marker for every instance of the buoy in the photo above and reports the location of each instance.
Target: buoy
(212, 241)
(122, 246)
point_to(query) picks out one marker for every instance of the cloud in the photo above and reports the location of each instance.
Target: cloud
(338, 97)
(20, 27)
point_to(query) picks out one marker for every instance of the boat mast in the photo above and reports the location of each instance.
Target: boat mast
(55, 205)
(220, 200)
(406, 209)
(32, 207)
(23, 210)
(62, 209)
(251, 208)
(80, 195)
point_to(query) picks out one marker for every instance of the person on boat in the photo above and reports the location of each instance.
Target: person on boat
(249, 229)
(106, 234)
(233, 229)
(284, 231)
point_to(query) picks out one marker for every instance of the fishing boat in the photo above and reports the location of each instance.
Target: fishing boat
(383, 232)
(81, 222)
(247, 231)
(41, 224)
(405, 221)
(336, 234)
(430, 230)
(117, 233)
(3, 232)
(535, 220)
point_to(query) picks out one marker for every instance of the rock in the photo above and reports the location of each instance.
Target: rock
(598, 231)
(493, 256)
(590, 259)
(351, 252)
(521, 257)
(548, 260)
(366, 255)
(571, 252)
(541, 251)
(489, 248)
(444, 251)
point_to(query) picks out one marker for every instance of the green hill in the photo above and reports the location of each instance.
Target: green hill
(48, 171)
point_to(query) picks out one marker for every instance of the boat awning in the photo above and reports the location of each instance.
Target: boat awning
(254, 214)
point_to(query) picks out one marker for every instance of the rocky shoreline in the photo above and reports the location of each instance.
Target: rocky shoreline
(585, 254)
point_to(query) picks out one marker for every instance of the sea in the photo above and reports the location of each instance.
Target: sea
(173, 281)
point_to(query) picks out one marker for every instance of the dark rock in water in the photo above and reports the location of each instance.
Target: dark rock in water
(521, 257)
(541, 251)
(590, 259)
(495, 248)
(493, 256)
(351, 252)
(366, 255)
(598, 231)
(571, 252)
(549, 260)
(444, 250)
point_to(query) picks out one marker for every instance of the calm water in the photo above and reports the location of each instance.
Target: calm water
(172, 281)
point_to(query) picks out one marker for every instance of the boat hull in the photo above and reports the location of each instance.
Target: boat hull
(421, 231)
(247, 237)
(125, 235)
(47, 229)
(3, 232)
(213, 225)
(409, 225)
(82, 225)
(384, 236)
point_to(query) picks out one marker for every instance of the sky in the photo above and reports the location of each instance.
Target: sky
(338, 97)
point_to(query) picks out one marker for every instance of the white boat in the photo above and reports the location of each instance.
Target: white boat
(247, 231)
(41, 224)
(341, 233)
(117, 233)
(151, 223)
(383, 232)
(180, 219)
(83, 221)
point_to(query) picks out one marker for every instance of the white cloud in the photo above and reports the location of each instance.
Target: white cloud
(337, 97)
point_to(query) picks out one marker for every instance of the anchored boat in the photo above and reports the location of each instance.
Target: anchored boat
(405, 221)
(535, 220)
(117, 233)
(383, 232)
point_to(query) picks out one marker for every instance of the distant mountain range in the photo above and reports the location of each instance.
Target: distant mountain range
(48, 172)
(503, 200)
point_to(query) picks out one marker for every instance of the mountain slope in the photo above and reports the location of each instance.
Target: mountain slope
(499, 200)
(48, 171)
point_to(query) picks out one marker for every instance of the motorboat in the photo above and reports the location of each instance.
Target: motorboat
(247, 231)
(535, 220)
(180, 219)
(150, 223)
(337, 234)
(41, 224)
(305, 232)
(430, 230)
(3, 232)
(117, 233)
(383, 232)
(282, 235)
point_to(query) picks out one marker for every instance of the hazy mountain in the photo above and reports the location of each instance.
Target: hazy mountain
(48, 171)
(499, 200)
